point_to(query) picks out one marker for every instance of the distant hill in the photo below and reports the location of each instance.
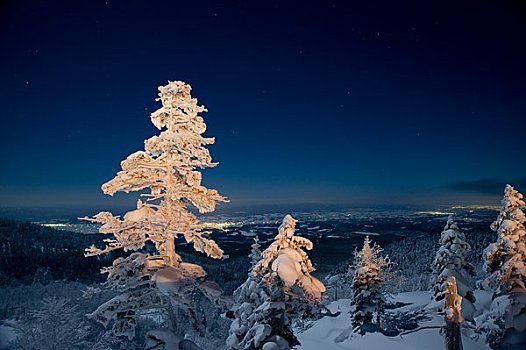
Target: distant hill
(26, 248)
(34, 253)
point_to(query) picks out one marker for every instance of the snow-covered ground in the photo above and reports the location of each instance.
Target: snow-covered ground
(323, 334)
(7, 335)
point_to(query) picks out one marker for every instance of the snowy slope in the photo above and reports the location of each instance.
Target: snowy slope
(7, 335)
(323, 333)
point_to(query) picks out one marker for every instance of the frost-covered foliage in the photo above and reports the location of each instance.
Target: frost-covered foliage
(56, 325)
(278, 288)
(452, 314)
(162, 339)
(255, 253)
(368, 280)
(505, 260)
(249, 297)
(339, 285)
(165, 172)
(504, 324)
(413, 256)
(451, 261)
(286, 259)
(452, 300)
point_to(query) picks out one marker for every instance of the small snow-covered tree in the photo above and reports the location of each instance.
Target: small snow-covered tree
(453, 314)
(339, 285)
(247, 298)
(505, 260)
(165, 172)
(279, 287)
(451, 261)
(56, 325)
(368, 280)
(255, 253)
(286, 259)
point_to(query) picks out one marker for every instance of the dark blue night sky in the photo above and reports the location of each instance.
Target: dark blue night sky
(331, 102)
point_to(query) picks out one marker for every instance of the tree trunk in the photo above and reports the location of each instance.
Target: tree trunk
(453, 337)
(170, 251)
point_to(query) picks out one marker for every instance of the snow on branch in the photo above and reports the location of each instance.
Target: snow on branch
(286, 259)
(166, 172)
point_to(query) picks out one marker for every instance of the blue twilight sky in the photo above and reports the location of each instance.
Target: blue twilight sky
(332, 102)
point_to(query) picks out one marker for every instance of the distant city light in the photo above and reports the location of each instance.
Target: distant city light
(56, 225)
(477, 207)
(219, 225)
(433, 213)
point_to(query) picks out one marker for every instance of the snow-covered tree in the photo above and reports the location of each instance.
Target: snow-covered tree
(56, 325)
(166, 174)
(505, 260)
(279, 287)
(368, 281)
(255, 254)
(453, 314)
(247, 298)
(286, 259)
(451, 261)
(339, 285)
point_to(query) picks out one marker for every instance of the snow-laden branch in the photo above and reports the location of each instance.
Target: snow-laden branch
(167, 171)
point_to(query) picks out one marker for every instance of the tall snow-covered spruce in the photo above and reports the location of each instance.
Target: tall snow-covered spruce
(279, 287)
(505, 260)
(451, 261)
(368, 281)
(165, 173)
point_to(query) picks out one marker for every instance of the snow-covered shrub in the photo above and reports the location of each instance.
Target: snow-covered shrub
(505, 260)
(56, 325)
(165, 173)
(339, 285)
(368, 280)
(279, 287)
(451, 261)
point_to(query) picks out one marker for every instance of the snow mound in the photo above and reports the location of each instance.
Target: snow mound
(7, 335)
(171, 280)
